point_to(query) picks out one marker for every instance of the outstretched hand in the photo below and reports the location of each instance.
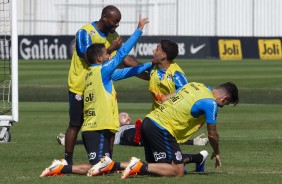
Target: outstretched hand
(142, 22)
(217, 160)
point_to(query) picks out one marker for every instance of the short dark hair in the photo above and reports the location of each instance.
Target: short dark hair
(232, 91)
(94, 51)
(108, 9)
(170, 48)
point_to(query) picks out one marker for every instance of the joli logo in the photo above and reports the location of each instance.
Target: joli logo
(230, 49)
(270, 49)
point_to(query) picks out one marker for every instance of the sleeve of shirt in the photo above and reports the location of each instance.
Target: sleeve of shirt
(82, 42)
(110, 66)
(179, 79)
(130, 71)
(209, 107)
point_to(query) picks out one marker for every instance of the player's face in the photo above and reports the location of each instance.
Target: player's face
(158, 55)
(105, 56)
(124, 119)
(222, 101)
(111, 21)
(221, 98)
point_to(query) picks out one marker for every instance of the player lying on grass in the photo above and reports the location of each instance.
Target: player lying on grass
(174, 122)
(100, 102)
(129, 134)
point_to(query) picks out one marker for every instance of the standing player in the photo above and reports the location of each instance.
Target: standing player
(100, 103)
(173, 122)
(102, 31)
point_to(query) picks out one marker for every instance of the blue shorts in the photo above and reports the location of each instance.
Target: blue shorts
(75, 109)
(97, 144)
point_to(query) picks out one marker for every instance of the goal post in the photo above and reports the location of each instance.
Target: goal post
(9, 106)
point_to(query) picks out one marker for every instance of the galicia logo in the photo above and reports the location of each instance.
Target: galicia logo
(194, 50)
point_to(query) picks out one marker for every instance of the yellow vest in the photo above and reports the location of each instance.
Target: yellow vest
(78, 67)
(100, 107)
(159, 88)
(175, 114)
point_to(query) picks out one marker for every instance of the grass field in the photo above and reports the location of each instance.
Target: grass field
(250, 133)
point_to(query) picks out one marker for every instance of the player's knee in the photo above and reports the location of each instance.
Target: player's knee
(75, 125)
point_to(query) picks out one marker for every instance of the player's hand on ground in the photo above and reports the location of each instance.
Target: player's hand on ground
(115, 45)
(142, 22)
(217, 160)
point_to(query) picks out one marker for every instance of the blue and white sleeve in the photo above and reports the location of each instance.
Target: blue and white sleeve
(110, 66)
(130, 71)
(82, 42)
(205, 106)
(179, 79)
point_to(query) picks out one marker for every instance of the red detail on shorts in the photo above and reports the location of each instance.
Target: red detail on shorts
(137, 137)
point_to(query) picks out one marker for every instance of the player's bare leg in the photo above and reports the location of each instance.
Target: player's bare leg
(70, 138)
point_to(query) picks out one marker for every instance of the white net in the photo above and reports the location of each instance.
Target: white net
(5, 58)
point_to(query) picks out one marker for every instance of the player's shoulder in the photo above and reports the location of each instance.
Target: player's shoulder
(207, 102)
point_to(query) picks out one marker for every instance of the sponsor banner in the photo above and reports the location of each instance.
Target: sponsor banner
(270, 49)
(189, 47)
(45, 47)
(230, 49)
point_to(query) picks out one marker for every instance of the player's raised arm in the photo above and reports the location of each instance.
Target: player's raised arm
(123, 51)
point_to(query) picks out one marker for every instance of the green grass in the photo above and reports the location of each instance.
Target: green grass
(250, 142)
(259, 81)
(250, 133)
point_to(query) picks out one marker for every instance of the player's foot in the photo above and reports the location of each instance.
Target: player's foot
(200, 167)
(133, 168)
(137, 136)
(55, 168)
(61, 139)
(104, 166)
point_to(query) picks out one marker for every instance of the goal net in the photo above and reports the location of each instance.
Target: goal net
(8, 65)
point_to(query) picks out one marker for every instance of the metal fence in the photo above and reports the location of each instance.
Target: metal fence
(167, 17)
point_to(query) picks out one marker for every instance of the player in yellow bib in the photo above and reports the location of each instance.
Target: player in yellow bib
(174, 122)
(98, 32)
(165, 76)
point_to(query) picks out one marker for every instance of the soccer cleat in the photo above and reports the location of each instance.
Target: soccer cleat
(200, 167)
(55, 168)
(133, 168)
(61, 139)
(137, 136)
(104, 166)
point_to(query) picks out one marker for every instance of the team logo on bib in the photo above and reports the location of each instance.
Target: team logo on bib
(92, 32)
(169, 77)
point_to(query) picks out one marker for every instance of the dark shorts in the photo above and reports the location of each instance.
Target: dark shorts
(127, 137)
(159, 145)
(97, 144)
(75, 109)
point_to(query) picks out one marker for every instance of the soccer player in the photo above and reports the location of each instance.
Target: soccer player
(165, 76)
(174, 122)
(102, 31)
(100, 103)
